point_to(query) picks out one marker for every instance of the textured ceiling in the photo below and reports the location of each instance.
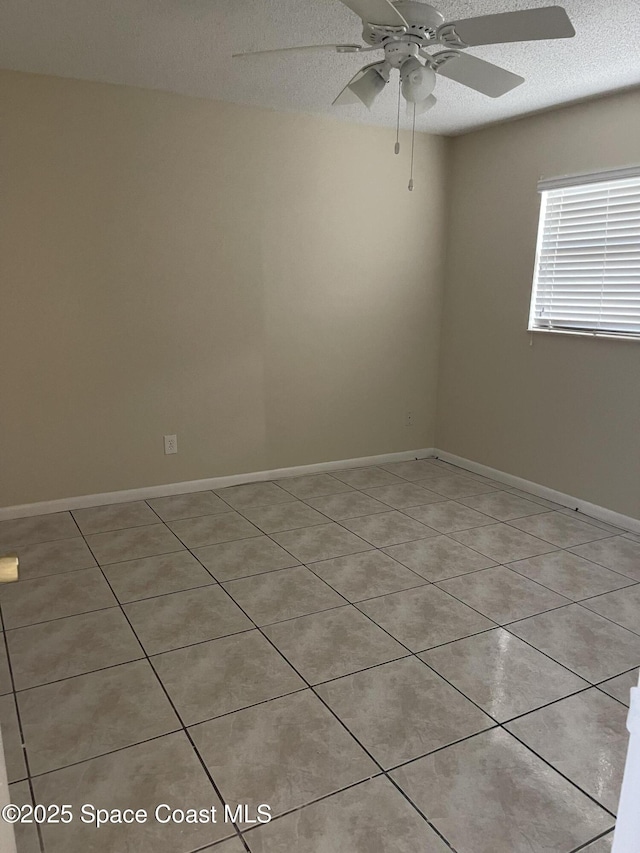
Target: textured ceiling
(185, 46)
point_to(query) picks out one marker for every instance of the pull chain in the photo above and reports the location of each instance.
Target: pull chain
(397, 146)
(413, 139)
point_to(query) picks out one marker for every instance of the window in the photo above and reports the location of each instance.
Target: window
(587, 274)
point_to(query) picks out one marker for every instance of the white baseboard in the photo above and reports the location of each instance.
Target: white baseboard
(626, 522)
(62, 504)
(601, 513)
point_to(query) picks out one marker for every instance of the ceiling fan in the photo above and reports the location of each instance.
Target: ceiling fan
(404, 29)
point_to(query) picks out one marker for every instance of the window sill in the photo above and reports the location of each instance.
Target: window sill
(579, 334)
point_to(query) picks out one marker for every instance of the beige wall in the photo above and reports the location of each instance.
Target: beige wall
(564, 412)
(261, 284)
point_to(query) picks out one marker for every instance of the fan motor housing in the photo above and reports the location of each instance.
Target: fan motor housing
(396, 52)
(423, 21)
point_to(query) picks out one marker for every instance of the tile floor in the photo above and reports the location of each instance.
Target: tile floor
(402, 658)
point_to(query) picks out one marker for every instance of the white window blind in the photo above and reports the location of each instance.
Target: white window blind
(587, 274)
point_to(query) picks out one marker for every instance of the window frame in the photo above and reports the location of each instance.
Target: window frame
(580, 180)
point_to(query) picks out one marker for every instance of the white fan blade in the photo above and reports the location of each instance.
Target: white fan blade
(380, 12)
(365, 86)
(477, 74)
(550, 22)
(317, 48)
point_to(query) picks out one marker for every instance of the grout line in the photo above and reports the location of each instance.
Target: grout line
(591, 841)
(560, 773)
(60, 618)
(131, 559)
(23, 746)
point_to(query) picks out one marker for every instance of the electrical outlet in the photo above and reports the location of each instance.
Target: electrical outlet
(408, 421)
(170, 444)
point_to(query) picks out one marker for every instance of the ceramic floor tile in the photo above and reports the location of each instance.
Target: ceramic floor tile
(50, 558)
(224, 675)
(82, 717)
(438, 558)
(312, 486)
(575, 513)
(496, 485)
(617, 553)
(231, 845)
(50, 651)
(502, 674)
(448, 516)
(414, 469)
(271, 519)
(136, 579)
(38, 528)
(321, 542)
(503, 543)
(116, 546)
(455, 469)
(213, 529)
(570, 575)
(253, 494)
(366, 575)
(534, 498)
(502, 595)
(26, 834)
(98, 519)
(581, 640)
(452, 486)
(402, 710)
(165, 770)
(175, 507)
(333, 643)
(467, 789)
(436, 468)
(182, 618)
(559, 529)
(54, 596)
(244, 557)
(347, 505)
(367, 478)
(400, 497)
(11, 739)
(503, 506)
(622, 607)
(585, 738)
(372, 817)
(424, 617)
(5, 676)
(388, 528)
(602, 845)
(620, 686)
(288, 752)
(264, 730)
(283, 595)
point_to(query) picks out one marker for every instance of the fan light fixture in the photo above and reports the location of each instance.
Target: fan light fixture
(417, 81)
